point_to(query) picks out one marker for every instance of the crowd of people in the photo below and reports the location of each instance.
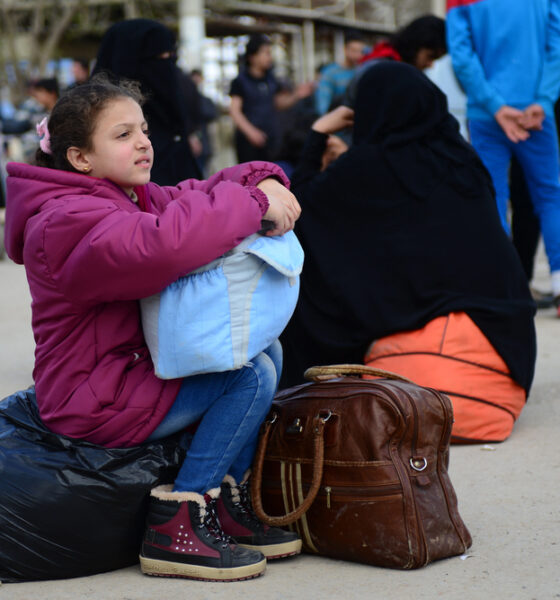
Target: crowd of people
(409, 263)
(270, 115)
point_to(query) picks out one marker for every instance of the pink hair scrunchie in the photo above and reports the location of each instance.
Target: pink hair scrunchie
(44, 137)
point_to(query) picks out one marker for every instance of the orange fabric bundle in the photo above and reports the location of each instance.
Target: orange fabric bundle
(452, 355)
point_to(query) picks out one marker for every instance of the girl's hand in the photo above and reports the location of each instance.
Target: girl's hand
(336, 120)
(283, 209)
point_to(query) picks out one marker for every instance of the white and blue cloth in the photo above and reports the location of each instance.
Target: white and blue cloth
(220, 316)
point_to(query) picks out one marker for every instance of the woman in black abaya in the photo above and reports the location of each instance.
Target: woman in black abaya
(145, 51)
(401, 229)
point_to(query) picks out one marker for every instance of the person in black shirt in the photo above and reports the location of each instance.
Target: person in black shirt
(256, 95)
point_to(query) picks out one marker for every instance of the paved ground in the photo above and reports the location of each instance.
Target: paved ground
(508, 496)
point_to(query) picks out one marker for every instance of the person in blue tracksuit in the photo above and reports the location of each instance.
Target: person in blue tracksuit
(507, 57)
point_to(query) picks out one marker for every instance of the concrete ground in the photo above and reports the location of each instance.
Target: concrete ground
(508, 497)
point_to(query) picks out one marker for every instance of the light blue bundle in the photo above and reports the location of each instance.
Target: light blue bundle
(222, 315)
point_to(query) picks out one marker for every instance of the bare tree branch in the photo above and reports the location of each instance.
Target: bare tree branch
(9, 32)
(55, 34)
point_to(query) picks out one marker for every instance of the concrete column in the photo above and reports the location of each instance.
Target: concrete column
(191, 33)
(339, 46)
(131, 10)
(297, 54)
(438, 8)
(309, 46)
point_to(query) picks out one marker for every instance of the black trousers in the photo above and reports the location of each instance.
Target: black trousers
(525, 227)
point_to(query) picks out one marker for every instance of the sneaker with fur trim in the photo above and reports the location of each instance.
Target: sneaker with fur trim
(183, 538)
(238, 520)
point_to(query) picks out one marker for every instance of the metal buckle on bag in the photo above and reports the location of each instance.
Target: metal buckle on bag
(329, 415)
(295, 427)
(418, 464)
(322, 419)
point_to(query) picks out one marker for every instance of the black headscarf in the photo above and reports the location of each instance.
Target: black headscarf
(398, 109)
(401, 229)
(132, 49)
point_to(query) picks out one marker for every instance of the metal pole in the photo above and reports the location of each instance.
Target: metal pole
(191, 33)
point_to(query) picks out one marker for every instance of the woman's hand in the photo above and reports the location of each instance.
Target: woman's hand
(334, 121)
(283, 210)
(335, 147)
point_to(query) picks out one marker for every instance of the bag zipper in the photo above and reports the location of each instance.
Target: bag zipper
(343, 492)
(405, 477)
(360, 493)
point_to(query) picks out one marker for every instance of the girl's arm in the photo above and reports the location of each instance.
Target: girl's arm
(246, 174)
(123, 255)
(102, 253)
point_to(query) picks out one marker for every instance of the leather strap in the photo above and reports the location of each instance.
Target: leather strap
(333, 371)
(256, 477)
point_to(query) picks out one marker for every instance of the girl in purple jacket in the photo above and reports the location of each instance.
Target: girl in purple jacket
(95, 236)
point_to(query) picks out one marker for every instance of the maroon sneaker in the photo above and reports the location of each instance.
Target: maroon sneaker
(238, 520)
(183, 538)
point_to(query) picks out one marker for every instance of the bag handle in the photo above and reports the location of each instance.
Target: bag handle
(332, 371)
(256, 477)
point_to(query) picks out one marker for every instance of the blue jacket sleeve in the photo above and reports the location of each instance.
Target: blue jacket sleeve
(466, 63)
(549, 86)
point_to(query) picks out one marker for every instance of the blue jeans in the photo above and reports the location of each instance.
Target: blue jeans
(230, 407)
(538, 157)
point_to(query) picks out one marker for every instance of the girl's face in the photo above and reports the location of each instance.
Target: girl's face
(121, 150)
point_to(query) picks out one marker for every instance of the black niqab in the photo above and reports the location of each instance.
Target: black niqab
(403, 113)
(401, 229)
(133, 49)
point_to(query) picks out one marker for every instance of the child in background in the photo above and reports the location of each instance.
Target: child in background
(95, 236)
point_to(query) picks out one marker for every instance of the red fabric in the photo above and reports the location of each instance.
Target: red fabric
(89, 254)
(382, 50)
(228, 523)
(455, 3)
(180, 533)
(144, 202)
(452, 355)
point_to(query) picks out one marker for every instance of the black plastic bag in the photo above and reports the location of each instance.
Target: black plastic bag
(69, 508)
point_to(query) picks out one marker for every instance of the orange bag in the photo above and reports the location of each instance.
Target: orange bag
(452, 355)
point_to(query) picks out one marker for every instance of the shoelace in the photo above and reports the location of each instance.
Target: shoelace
(212, 523)
(245, 503)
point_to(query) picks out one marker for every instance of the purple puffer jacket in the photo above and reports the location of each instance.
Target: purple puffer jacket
(90, 253)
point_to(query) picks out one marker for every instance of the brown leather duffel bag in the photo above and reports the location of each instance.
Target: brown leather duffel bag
(359, 468)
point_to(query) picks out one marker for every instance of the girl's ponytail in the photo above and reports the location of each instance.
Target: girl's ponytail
(44, 160)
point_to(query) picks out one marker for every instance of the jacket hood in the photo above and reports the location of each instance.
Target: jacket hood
(29, 188)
